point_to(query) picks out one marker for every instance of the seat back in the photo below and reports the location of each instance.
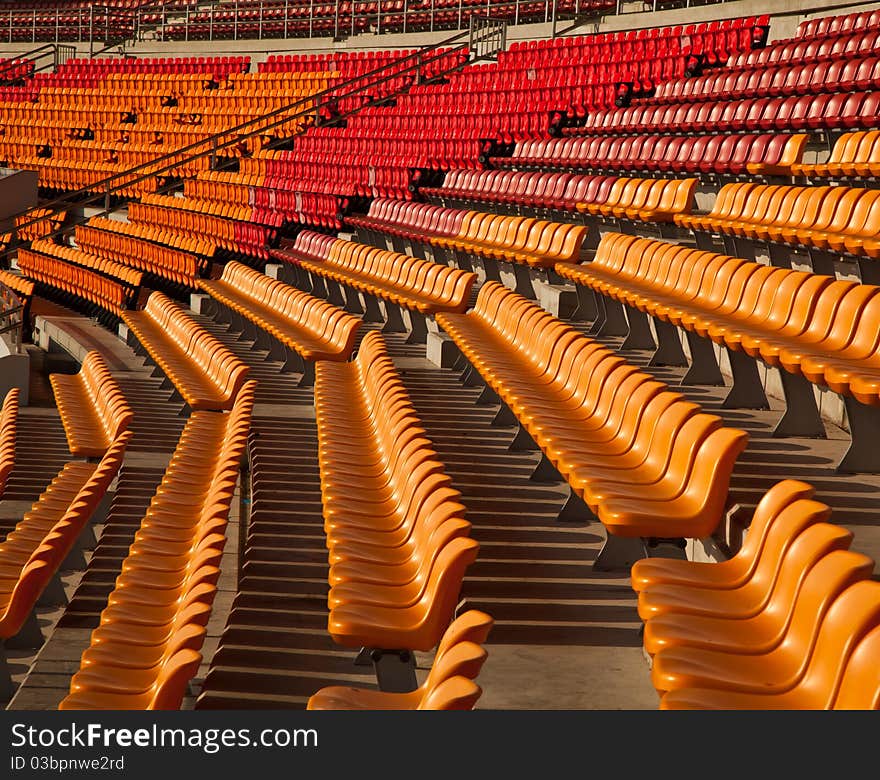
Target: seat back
(8, 435)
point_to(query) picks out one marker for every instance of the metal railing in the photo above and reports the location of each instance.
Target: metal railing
(414, 64)
(71, 24)
(43, 58)
(11, 315)
(272, 19)
(487, 37)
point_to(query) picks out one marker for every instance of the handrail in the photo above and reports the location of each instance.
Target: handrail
(345, 21)
(258, 125)
(136, 13)
(34, 55)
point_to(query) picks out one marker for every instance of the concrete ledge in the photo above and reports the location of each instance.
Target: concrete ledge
(302, 411)
(441, 350)
(273, 270)
(560, 300)
(201, 303)
(77, 336)
(15, 370)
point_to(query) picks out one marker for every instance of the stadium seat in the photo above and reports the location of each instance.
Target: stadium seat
(205, 373)
(92, 407)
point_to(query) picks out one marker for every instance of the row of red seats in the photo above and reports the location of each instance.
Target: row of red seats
(403, 151)
(835, 25)
(807, 47)
(797, 51)
(273, 203)
(72, 4)
(337, 175)
(346, 62)
(850, 72)
(17, 94)
(15, 69)
(643, 73)
(101, 67)
(556, 191)
(718, 39)
(86, 73)
(449, 125)
(73, 24)
(824, 111)
(524, 112)
(710, 154)
(643, 59)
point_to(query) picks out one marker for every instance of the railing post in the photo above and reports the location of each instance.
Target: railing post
(186, 25)
(432, 15)
(335, 22)
(459, 12)
(57, 21)
(91, 31)
(516, 13)
(34, 27)
(286, 13)
(405, 13)
(353, 16)
(260, 24)
(235, 24)
(312, 17)
(379, 17)
(211, 24)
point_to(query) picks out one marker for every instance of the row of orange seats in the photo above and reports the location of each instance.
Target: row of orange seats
(186, 216)
(73, 284)
(172, 265)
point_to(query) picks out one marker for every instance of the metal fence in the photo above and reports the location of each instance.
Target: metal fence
(273, 19)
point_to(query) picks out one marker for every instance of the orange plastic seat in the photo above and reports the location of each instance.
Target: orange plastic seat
(750, 596)
(759, 632)
(638, 455)
(147, 645)
(8, 435)
(732, 573)
(840, 672)
(313, 328)
(92, 406)
(205, 372)
(779, 669)
(415, 284)
(459, 654)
